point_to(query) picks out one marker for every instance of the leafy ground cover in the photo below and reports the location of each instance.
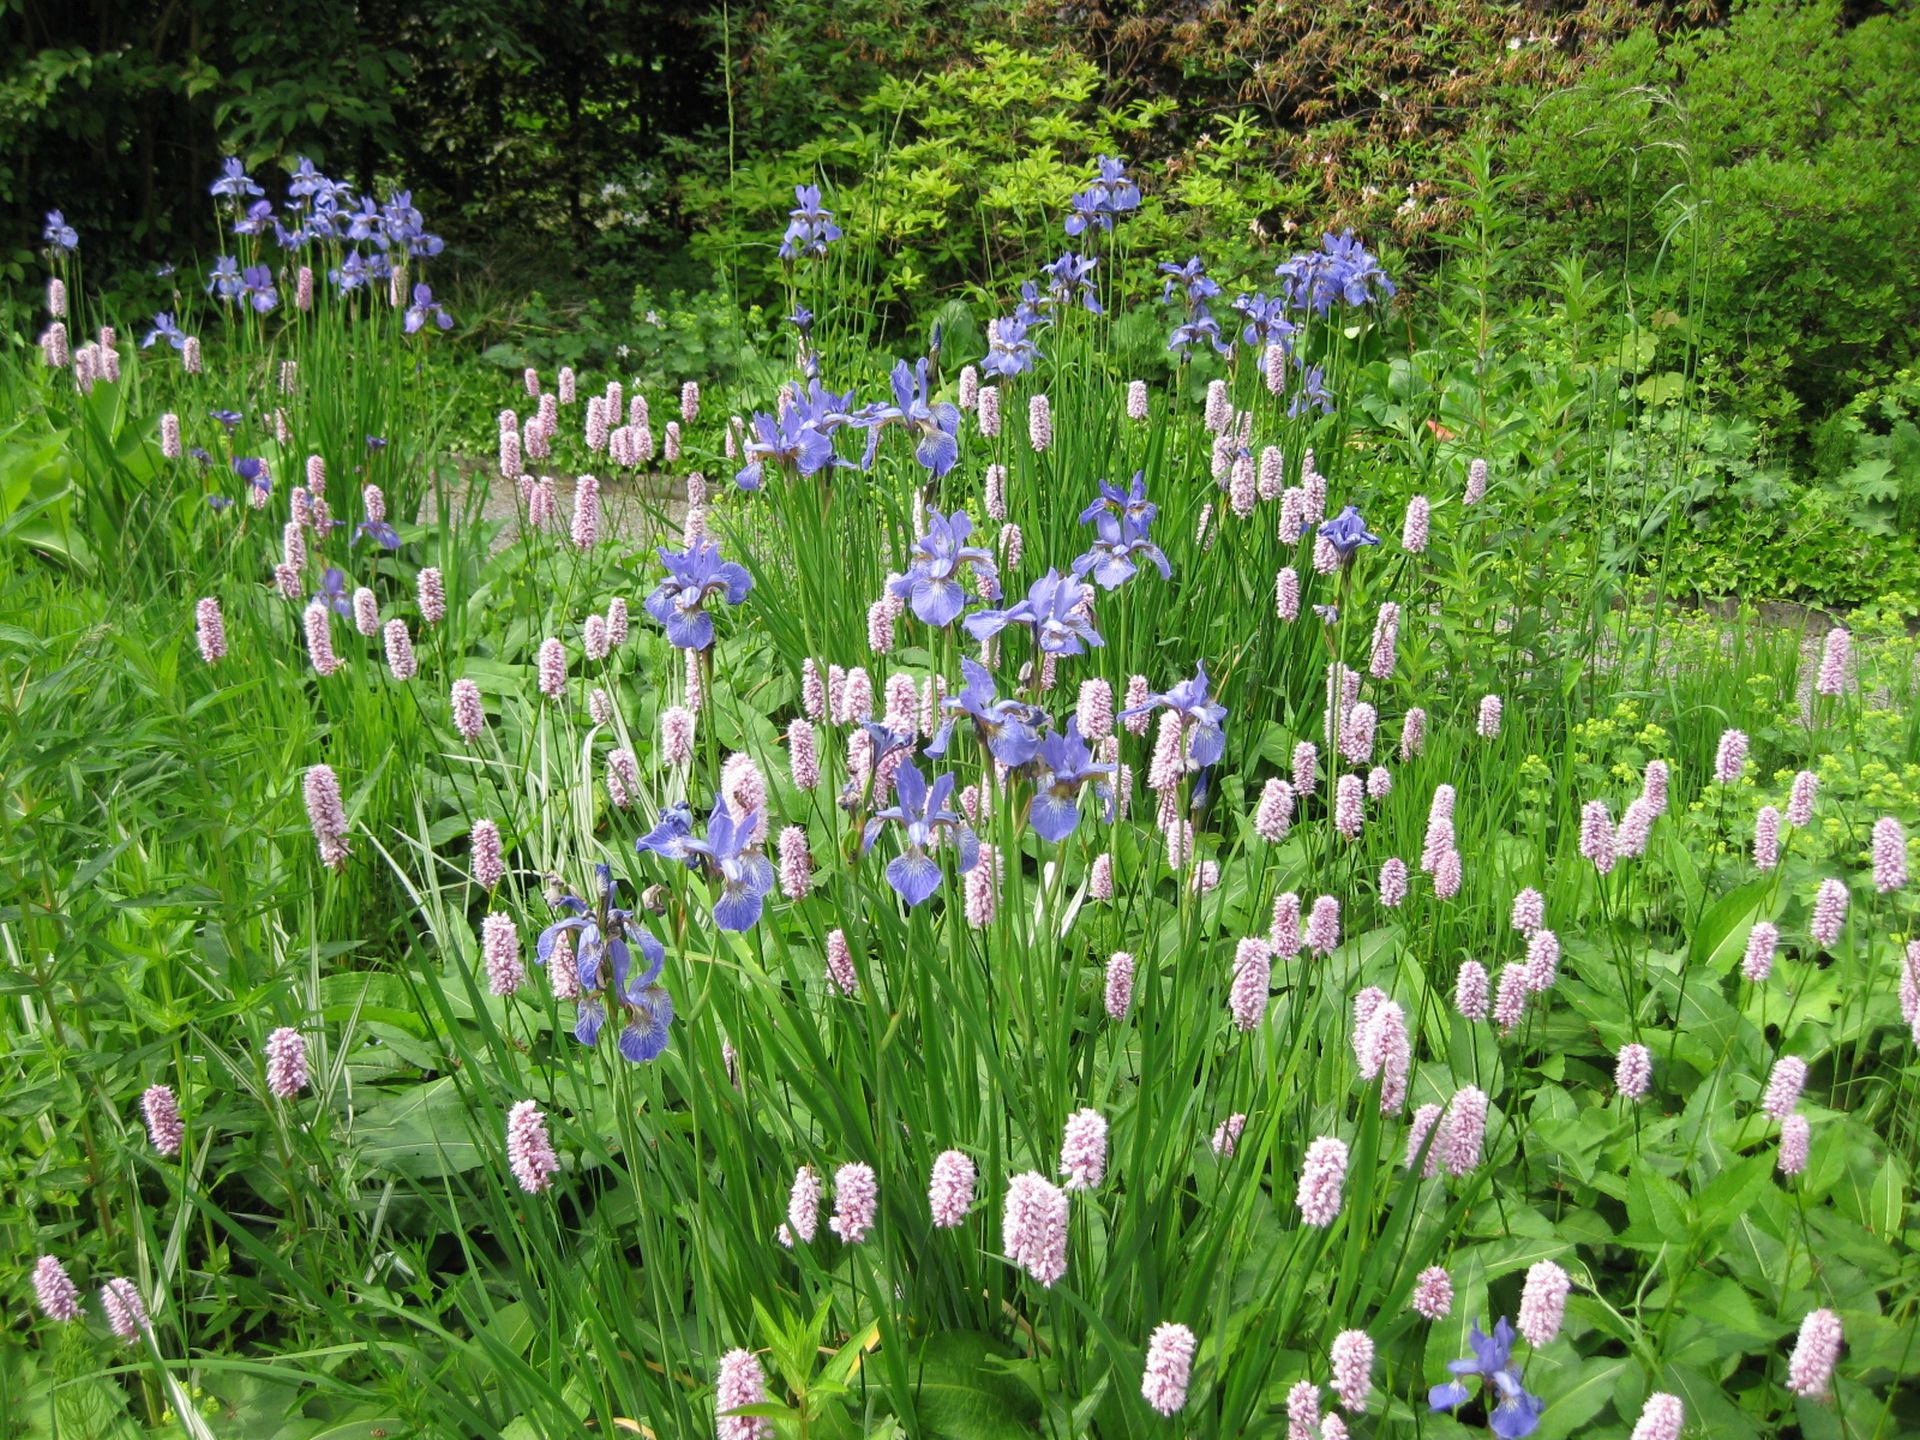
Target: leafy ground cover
(1054, 903)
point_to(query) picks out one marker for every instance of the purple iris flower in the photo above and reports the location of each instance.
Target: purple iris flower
(256, 283)
(668, 839)
(801, 319)
(601, 934)
(254, 472)
(1063, 767)
(1111, 194)
(1009, 351)
(1312, 393)
(307, 183)
(199, 453)
(810, 229)
(932, 585)
(1340, 272)
(219, 502)
(60, 236)
(1512, 1413)
(1190, 279)
(333, 589)
(424, 307)
(165, 329)
(228, 418)
(378, 531)
(799, 439)
(1199, 328)
(1009, 729)
(234, 183)
(1347, 532)
(1058, 609)
(1120, 543)
(1267, 322)
(732, 856)
(257, 220)
(1071, 277)
(224, 279)
(923, 813)
(934, 425)
(1199, 715)
(367, 223)
(1131, 503)
(693, 575)
(1032, 309)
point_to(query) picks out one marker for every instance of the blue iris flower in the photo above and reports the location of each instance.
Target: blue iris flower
(1071, 277)
(1512, 1412)
(1057, 609)
(1340, 272)
(1009, 729)
(224, 279)
(810, 229)
(799, 439)
(1199, 714)
(165, 329)
(1132, 503)
(668, 839)
(602, 934)
(59, 235)
(932, 584)
(1063, 768)
(922, 812)
(1347, 532)
(334, 590)
(1120, 542)
(378, 531)
(367, 223)
(254, 472)
(731, 854)
(257, 220)
(693, 576)
(424, 307)
(1009, 351)
(1200, 328)
(256, 284)
(1111, 194)
(234, 183)
(934, 424)
(1312, 394)
(1267, 322)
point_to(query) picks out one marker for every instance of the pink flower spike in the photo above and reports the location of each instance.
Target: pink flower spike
(1730, 759)
(126, 1314)
(1169, 1368)
(1633, 1071)
(1351, 1359)
(856, 1202)
(469, 715)
(1470, 990)
(1663, 1417)
(950, 1190)
(840, 968)
(1083, 1150)
(1810, 1370)
(1762, 943)
(1829, 912)
(286, 1053)
(803, 1204)
(1784, 1085)
(54, 1290)
(162, 1113)
(1543, 1303)
(1322, 1175)
(1796, 1136)
(740, 1383)
(1119, 996)
(1034, 1229)
(500, 948)
(530, 1154)
(1432, 1294)
(210, 630)
(1889, 855)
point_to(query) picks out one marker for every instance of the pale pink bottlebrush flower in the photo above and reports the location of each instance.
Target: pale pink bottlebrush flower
(469, 716)
(326, 815)
(1286, 594)
(969, 395)
(1323, 926)
(1419, 1152)
(552, 666)
(1543, 1303)
(1829, 912)
(1636, 827)
(840, 968)
(1169, 762)
(1529, 911)
(1796, 1136)
(1510, 998)
(1763, 942)
(1784, 1084)
(162, 1112)
(1083, 1150)
(1386, 635)
(54, 1290)
(617, 621)
(1910, 988)
(803, 1204)
(1100, 877)
(366, 612)
(1432, 1294)
(1273, 368)
(431, 591)
(1252, 979)
(1439, 837)
(1487, 727)
(857, 704)
(319, 629)
(1889, 855)
(1806, 787)
(1034, 1228)
(989, 411)
(1596, 835)
(293, 546)
(1351, 1360)
(1470, 990)
(1414, 530)
(1349, 805)
(1119, 990)
(1476, 483)
(1357, 727)
(1815, 1353)
(856, 1202)
(126, 1315)
(1306, 767)
(1241, 491)
(1654, 786)
(1273, 476)
(401, 661)
(1543, 960)
(1633, 1071)
(595, 643)
(996, 493)
(1095, 710)
(950, 1189)
(170, 436)
(1730, 758)
(1447, 874)
(530, 1154)
(803, 755)
(1169, 1368)
(1326, 559)
(1323, 1173)
(1836, 655)
(981, 888)
(1226, 1135)
(1393, 882)
(1413, 734)
(1136, 400)
(1040, 424)
(880, 628)
(1274, 814)
(286, 1053)
(500, 948)
(489, 868)
(210, 630)
(740, 1383)
(1137, 691)
(1219, 408)
(1284, 936)
(623, 778)
(1663, 1417)
(566, 385)
(796, 863)
(1303, 1400)
(1293, 521)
